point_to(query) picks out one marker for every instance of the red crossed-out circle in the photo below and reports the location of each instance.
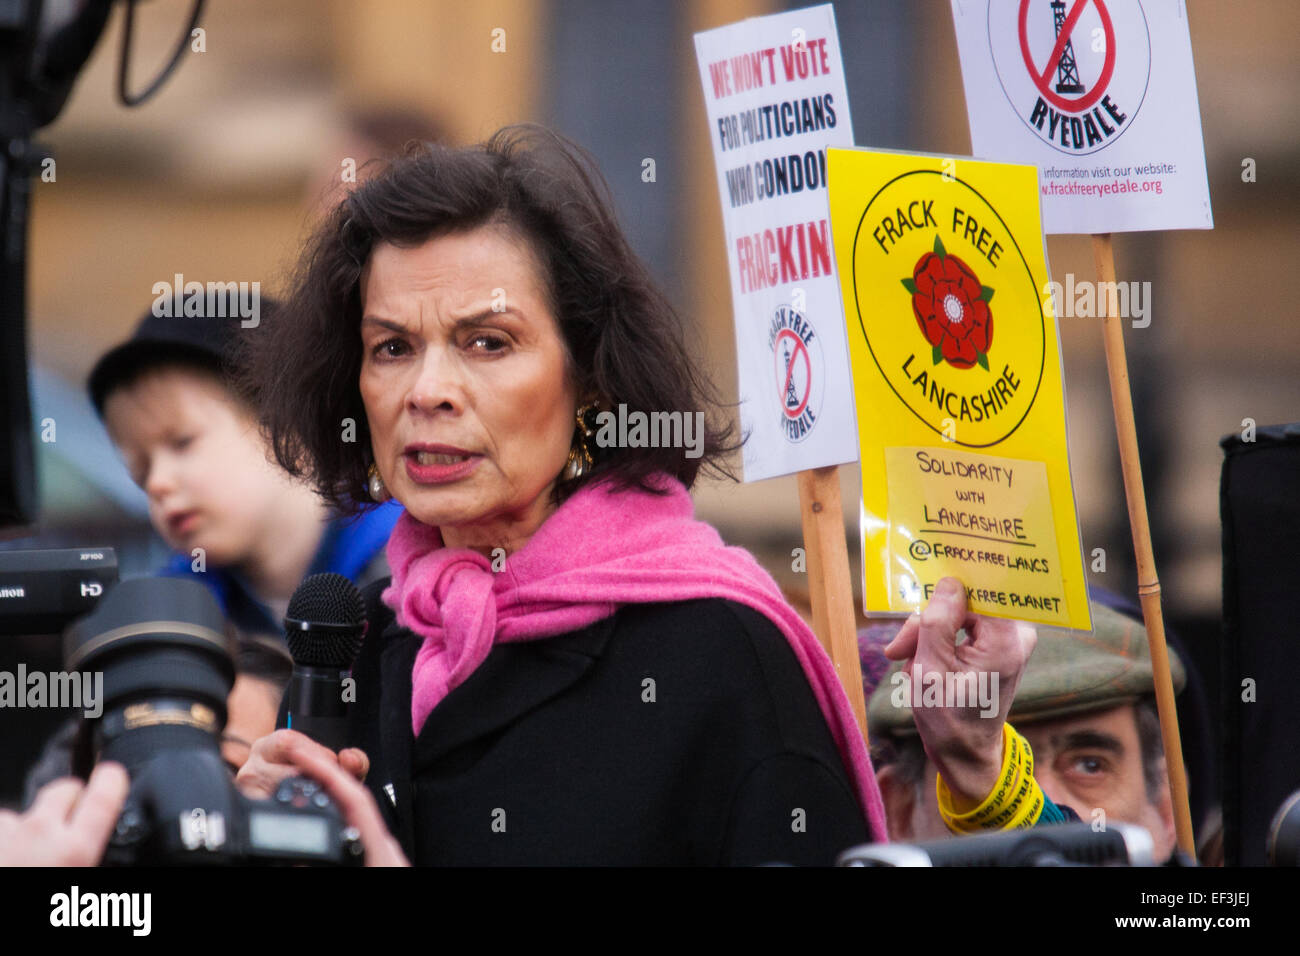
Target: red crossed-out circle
(800, 350)
(1042, 79)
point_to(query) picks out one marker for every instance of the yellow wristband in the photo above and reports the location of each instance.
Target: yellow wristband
(1012, 807)
(1009, 779)
(1030, 811)
(1016, 802)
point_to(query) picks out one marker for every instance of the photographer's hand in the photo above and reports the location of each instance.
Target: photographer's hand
(358, 807)
(273, 758)
(69, 822)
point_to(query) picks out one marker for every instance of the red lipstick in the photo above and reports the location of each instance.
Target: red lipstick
(429, 464)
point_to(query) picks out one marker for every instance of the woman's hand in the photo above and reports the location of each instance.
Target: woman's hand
(288, 753)
(275, 757)
(965, 743)
(357, 805)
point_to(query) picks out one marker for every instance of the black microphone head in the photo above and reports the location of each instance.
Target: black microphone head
(325, 622)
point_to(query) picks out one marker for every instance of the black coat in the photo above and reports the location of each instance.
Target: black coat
(682, 733)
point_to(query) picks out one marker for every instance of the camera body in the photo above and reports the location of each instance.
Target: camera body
(183, 808)
(43, 591)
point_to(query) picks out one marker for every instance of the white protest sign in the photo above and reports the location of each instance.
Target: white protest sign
(775, 95)
(1101, 96)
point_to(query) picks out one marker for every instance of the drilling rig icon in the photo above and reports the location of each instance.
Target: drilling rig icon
(791, 395)
(1067, 71)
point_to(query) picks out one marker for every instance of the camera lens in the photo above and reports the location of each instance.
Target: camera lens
(168, 667)
(156, 637)
(167, 663)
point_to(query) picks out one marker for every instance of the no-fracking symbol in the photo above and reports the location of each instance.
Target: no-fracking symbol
(1061, 60)
(1076, 72)
(791, 404)
(798, 366)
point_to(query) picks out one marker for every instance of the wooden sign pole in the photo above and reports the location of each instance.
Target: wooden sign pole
(1148, 584)
(829, 583)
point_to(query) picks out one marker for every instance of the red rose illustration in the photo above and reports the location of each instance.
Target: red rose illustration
(952, 309)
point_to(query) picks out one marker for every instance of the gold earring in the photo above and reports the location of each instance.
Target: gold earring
(580, 460)
(375, 484)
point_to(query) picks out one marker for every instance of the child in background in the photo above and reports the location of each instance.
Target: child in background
(239, 523)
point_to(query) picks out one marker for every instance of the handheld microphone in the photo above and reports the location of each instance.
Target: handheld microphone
(1067, 844)
(323, 627)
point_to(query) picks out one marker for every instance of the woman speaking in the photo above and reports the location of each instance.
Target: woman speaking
(566, 667)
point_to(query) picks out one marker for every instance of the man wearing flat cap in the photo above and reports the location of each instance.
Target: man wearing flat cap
(1086, 705)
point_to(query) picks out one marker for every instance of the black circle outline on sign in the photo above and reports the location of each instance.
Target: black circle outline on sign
(1042, 324)
(988, 20)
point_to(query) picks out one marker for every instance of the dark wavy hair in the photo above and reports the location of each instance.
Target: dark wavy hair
(625, 342)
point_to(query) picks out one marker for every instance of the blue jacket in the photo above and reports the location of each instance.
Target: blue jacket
(352, 547)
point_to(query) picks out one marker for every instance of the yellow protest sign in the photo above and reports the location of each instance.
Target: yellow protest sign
(957, 382)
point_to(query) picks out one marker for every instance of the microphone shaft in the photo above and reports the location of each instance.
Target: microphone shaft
(313, 704)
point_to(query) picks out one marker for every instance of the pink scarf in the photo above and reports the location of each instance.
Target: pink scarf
(599, 550)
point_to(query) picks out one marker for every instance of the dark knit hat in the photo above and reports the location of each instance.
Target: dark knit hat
(207, 340)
